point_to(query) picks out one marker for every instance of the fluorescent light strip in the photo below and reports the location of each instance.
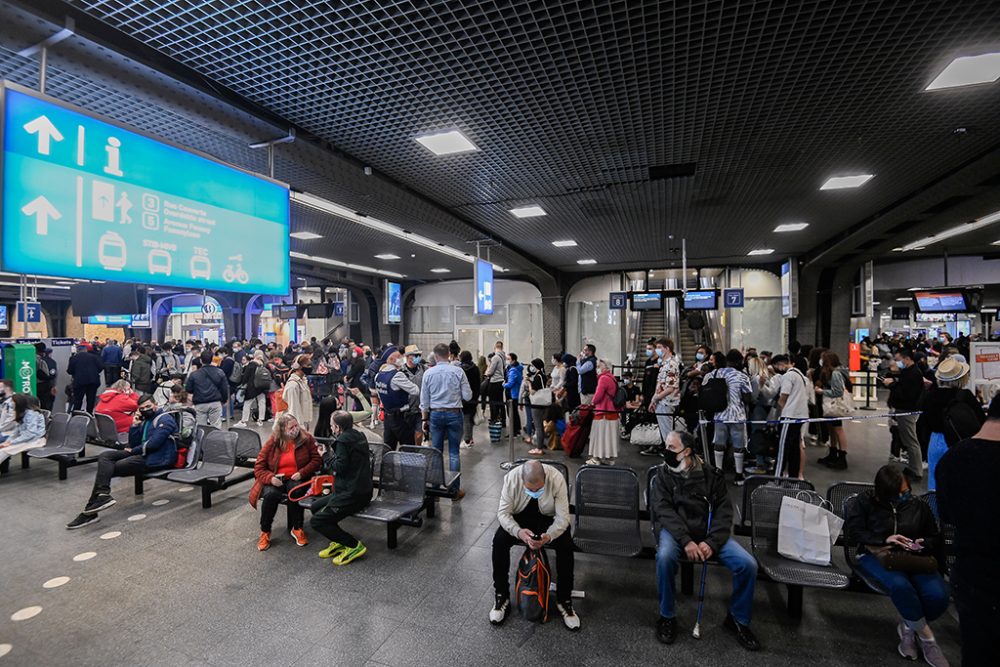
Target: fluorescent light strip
(387, 256)
(968, 71)
(843, 182)
(343, 265)
(791, 227)
(39, 286)
(528, 212)
(325, 206)
(954, 231)
(564, 244)
(586, 261)
(440, 270)
(305, 236)
(761, 251)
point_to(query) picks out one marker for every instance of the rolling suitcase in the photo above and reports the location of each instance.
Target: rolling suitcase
(577, 432)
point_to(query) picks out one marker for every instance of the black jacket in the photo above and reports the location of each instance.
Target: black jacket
(207, 385)
(936, 399)
(85, 368)
(350, 461)
(905, 392)
(680, 506)
(142, 372)
(869, 522)
(475, 382)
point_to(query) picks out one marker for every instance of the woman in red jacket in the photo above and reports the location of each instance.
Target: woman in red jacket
(287, 459)
(604, 433)
(120, 403)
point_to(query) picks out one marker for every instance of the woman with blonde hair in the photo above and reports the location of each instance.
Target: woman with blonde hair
(288, 458)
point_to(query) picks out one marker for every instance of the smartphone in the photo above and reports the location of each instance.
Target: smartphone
(280, 475)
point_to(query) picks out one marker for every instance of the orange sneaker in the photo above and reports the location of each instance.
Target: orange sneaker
(264, 543)
(300, 537)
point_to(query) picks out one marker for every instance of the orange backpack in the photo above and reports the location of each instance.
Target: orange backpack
(531, 595)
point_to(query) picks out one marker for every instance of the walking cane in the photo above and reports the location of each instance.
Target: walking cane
(696, 633)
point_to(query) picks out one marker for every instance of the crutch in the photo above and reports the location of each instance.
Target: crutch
(696, 633)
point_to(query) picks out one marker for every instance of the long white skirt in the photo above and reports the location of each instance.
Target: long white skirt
(604, 438)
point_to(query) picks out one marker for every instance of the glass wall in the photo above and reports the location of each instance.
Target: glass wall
(758, 324)
(593, 322)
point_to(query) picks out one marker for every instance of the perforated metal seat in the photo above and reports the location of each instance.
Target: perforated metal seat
(753, 482)
(248, 444)
(104, 431)
(607, 511)
(69, 439)
(437, 476)
(218, 458)
(401, 492)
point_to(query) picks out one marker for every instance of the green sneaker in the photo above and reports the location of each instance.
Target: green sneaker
(332, 550)
(351, 555)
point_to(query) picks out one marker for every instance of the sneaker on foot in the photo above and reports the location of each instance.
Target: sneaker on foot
(933, 655)
(739, 479)
(907, 642)
(101, 501)
(332, 550)
(351, 555)
(666, 630)
(570, 618)
(240, 424)
(82, 520)
(264, 541)
(593, 462)
(743, 633)
(501, 606)
(300, 537)
(756, 470)
(466, 445)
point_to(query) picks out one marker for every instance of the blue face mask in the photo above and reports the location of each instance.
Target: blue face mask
(535, 494)
(900, 365)
(902, 498)
(417, 359)
(700, 356)
(660, 351)
(649, 353)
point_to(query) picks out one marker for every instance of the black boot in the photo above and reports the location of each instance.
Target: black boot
(829, 458)
(839, 463)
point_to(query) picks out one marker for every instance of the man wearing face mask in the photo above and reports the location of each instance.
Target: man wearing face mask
(151, 446)
(684, 492)
(667, 397)
(534, 510)
(395, 390)
(905, 391)
(496, 376)
(413, 368)
(586, 367)
(649, 372)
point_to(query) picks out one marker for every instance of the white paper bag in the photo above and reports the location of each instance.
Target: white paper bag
(807, 532)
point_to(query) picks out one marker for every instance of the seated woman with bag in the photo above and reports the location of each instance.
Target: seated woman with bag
(288, 458)
(898, 540)
(29, 429)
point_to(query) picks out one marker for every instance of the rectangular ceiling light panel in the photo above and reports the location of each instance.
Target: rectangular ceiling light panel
(968, 71)
(447, 143)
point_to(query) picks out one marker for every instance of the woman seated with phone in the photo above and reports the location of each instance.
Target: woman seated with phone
(288, 458)
(898, 547)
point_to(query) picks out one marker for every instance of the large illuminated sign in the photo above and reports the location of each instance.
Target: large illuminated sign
(88, 198)
(484, 287)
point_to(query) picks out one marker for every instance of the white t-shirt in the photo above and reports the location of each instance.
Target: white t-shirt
(794, 385)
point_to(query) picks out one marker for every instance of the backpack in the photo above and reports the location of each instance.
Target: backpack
(713, 396)
(236, 375)
(620, 398)
(262, 379)
(960, 421)
(531, 595)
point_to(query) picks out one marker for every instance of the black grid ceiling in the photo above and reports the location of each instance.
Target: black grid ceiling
(571, 102)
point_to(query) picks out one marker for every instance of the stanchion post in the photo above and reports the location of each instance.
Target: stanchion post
(868, 389)
(509, 463)
(781, 451)
(703, 430)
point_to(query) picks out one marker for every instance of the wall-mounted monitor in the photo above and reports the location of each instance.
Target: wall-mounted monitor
(107, 299)
(701, 300)
(899, 313)
(287, 312)
(393, 302)
(942, 301)
(319, 311)
(646, 300)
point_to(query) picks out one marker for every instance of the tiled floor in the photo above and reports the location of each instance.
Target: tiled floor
(186, 586)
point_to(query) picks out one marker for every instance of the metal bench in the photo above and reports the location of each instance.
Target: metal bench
(558, 465)
(103, 432)
(214, 472)
(441, 483)
(947, 530)
(65, 443)
(765, 508)
(752, 483)
(402, 485)
(607, 511)
(851, 548)
(248, 446)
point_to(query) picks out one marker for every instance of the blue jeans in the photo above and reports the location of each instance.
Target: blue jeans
(447, 424)
(732, 556)
(529, 424)
(734, 434)
(916, 596)
(935, 450)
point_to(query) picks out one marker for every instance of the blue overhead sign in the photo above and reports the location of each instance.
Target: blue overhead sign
(484, 287)
(29, 311)
(618, 301)
(3, 318)
(733, 298)
(86, 198)
(393, 302)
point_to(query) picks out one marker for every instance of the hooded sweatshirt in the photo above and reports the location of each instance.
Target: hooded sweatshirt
(350, 461)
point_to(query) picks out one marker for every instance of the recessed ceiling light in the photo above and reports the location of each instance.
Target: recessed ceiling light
(916, 289)
(564, 244)
(586, 261)
(305, 236)
(995, 243)
(842, 182)
(65, 282)
(875, 303)
(791, 227)
(446, 143)
(387, 256)
(905, 298)
(440, 270)
(957, 230)
(968, 71)
(761, 251)
(528, 211)
(346, 265)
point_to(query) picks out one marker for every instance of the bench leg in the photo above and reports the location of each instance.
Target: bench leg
(138, 485)
(391, 529)
(431, 506)
(206, 497)
(687, 578)
(795, 601)
(25, 460)
(63, 470)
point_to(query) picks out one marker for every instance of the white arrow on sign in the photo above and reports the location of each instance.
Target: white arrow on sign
(46, 132)
(42, 209)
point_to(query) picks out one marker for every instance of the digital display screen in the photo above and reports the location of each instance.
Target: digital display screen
(899, 312)
(393, 302)
(318, 311)
(287, 312)
(3, 318)
(646, 300)
(86, 198)
(483, 297)
(941, 302)
(701, 300)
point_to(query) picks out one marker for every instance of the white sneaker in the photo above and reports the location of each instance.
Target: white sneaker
(593, 462)
(467, 445)
(240, 425)
(501, 607)
(570, 618)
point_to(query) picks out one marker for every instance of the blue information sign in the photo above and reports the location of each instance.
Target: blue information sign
(87, 198)
(3, 318)
(338, 309)
(393, 302)
(733, 298)
(29, 311)
(618, 301)
(484, 287)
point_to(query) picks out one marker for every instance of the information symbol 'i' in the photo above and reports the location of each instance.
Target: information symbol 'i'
(114, 157)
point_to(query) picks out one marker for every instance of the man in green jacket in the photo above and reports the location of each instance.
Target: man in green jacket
(350, 462)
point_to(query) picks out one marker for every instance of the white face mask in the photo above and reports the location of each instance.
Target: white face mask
(400, 362)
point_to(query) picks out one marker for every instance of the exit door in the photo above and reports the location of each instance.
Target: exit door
(480, 341)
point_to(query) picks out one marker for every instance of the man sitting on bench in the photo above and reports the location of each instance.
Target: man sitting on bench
(534, 510)
(150, 447)
(685, 490)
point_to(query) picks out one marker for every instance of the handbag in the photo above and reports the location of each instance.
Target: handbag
(841, 406)
(541, 398)
(646, 435)
(320, 485)
(807, 532)
(898, 560)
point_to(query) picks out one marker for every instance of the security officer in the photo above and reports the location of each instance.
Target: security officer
(394, 389)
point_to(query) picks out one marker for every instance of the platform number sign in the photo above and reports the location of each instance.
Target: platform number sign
(618, 301)
(733, 298)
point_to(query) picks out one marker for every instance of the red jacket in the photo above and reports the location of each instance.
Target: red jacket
(604, 397)
(307, 459)
(120, 407)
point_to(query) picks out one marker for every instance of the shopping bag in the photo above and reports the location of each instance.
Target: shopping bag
(841, 406)
(807, 532)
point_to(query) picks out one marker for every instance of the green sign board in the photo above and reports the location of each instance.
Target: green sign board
(19, 366)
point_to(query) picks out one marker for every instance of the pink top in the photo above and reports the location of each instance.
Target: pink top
(604, 397)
